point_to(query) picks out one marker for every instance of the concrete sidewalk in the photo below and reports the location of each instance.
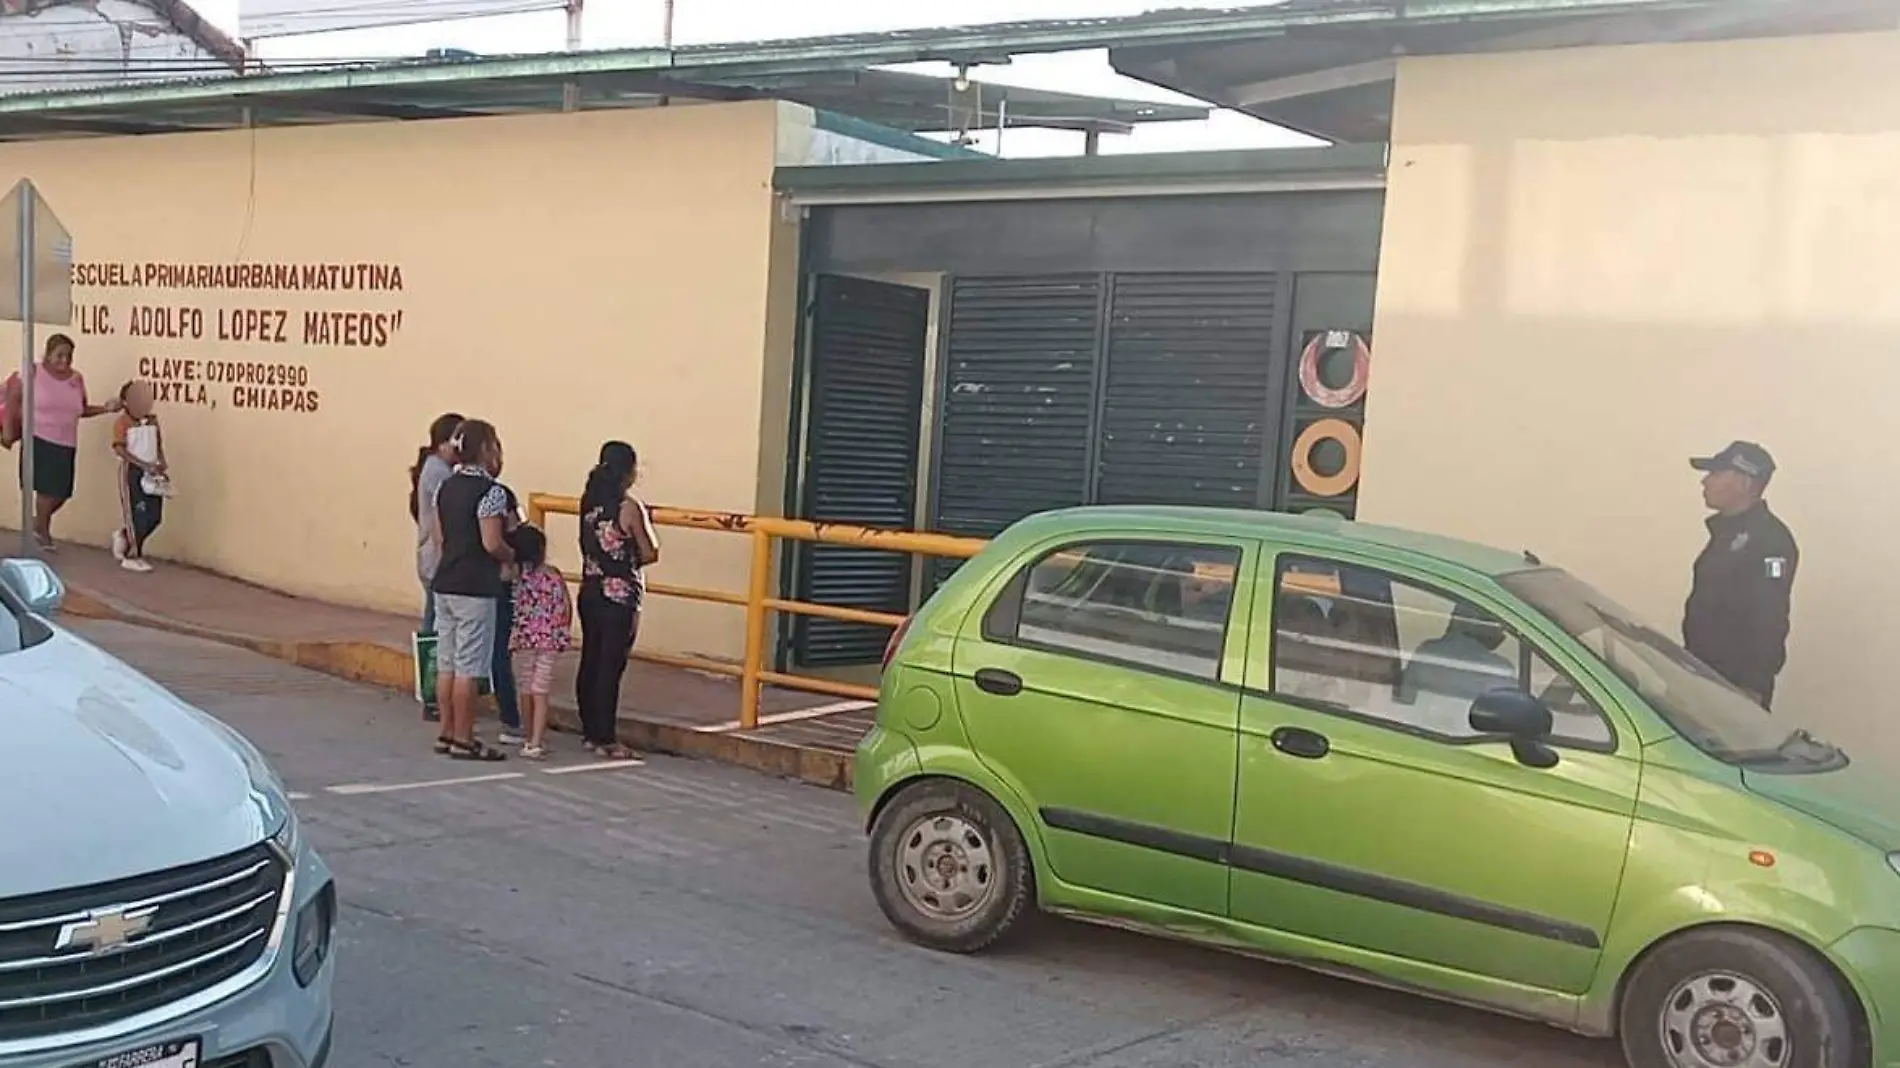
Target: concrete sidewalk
(663, 709)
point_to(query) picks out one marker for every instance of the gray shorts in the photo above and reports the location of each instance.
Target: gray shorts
(465, 635)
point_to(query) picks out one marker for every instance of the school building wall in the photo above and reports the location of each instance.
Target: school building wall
(1598, 262)
(570, 277)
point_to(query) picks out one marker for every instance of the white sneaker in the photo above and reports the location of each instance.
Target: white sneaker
(508, 737)
(120, 545)
(135, 564)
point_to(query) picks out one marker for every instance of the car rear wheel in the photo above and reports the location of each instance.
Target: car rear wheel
(949, 867)
(1728, 998)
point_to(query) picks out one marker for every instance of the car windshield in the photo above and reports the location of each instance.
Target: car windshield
(1699, 704)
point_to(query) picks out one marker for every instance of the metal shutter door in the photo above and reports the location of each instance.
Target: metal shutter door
(866, 404)
(1186, 406)
(1017, 412)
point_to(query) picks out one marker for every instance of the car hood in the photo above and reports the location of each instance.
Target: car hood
(105, 775)
(1857, 799)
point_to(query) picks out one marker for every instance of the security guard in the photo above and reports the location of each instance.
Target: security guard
(1736, 620)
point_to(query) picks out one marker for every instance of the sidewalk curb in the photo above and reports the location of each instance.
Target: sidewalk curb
(394, 669)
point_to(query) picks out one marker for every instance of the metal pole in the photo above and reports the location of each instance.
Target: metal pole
(29, 516)
(666, 24)
(755, 626)
(570, 92)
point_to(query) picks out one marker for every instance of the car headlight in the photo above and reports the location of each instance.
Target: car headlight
(283, 820)
(316, 925)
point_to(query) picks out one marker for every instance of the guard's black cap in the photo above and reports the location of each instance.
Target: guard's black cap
(1744, 456)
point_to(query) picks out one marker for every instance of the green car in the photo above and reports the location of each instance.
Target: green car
(1399, 758)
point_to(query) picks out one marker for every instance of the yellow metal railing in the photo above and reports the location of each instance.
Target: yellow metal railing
(758, 600)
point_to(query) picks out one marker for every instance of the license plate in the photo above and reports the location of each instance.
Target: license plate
(182, 1053)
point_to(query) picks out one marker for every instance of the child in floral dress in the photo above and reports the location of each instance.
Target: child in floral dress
(543, 619)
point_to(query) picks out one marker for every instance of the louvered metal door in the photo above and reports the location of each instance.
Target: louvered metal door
(1017, 411)
(1187, 403)
(1018, 406)
(865, 407)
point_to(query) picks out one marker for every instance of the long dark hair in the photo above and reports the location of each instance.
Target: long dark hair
(607, 482)
(440, 433)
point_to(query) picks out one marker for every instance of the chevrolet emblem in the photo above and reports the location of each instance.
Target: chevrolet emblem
(104, 930)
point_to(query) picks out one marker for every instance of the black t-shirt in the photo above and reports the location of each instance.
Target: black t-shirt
(467, 568)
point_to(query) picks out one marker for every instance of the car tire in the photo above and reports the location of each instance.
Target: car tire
(1740, 999)
(949, 867)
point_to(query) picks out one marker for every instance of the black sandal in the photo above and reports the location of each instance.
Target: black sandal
(442, 746)
(476, 751)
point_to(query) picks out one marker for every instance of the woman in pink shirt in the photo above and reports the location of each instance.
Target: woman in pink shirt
(59, 403)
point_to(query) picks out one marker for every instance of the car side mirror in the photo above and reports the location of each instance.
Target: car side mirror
(1522, 719)
(35, 584)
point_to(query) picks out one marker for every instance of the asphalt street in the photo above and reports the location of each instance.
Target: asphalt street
(688, 915)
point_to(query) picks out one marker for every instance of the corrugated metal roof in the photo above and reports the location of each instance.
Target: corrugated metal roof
(519, 84)
(1319, 65)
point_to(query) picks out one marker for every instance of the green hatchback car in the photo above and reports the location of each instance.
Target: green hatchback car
(1399, 758)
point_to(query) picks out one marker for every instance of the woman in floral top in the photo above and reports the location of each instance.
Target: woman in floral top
(542, 616)
(617, 542)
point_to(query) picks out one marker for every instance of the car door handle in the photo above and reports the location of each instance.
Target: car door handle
(999, 682)
(1305, 744)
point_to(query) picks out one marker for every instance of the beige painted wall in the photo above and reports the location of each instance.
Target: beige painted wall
(570, 277)
(1597, 262)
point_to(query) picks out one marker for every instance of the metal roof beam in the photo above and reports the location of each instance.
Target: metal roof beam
(344, 104)
(17, 125)
(1332, 79)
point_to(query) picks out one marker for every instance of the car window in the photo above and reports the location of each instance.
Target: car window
(1402, 653)
(1575, 717)
(1156, 605)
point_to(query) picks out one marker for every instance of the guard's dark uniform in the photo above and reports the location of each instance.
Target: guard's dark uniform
(1736, 620)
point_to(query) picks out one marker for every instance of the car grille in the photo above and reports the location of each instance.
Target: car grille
(134, 945)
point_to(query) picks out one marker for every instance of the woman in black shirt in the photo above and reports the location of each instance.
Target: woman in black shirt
(617, 542)
(472, 510)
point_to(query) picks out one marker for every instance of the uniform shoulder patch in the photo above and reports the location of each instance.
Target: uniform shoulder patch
(1776, 567)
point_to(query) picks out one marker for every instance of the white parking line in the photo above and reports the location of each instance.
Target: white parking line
(791, 717)
(605, 765)
(360, 788)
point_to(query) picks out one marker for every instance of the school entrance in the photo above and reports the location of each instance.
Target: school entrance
(1084, 334)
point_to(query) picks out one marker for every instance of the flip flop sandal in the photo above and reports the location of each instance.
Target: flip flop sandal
(442, 746)
(476, 751)
(615, 751)
(534, 752)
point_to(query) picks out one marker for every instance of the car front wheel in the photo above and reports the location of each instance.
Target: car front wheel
(1731, 998)
(949, 868)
